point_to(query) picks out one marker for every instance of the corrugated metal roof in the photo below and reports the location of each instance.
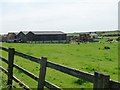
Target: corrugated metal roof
(25, 32)
(43, 32)
(47, 32)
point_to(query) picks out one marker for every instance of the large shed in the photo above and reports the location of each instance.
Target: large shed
(42, 36)
(46, 36)
(22, 36)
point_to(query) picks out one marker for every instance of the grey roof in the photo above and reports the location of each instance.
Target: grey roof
(13, 33)
(25, 32)
(47, 32)
(43, 32)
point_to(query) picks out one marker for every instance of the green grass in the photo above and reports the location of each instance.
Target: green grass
(88, 57)
(73, 34)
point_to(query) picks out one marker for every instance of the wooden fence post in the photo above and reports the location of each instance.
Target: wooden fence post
(101, 81)
(10, 66)
(41, 80)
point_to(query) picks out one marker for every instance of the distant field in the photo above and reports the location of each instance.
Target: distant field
(87, 57)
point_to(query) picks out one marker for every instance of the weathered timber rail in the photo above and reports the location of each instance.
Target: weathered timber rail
(100, 81)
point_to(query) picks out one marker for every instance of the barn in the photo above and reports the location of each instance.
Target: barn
(46, 36)
(42, 36)
(22, 36)
(11, 36)
(93, 35)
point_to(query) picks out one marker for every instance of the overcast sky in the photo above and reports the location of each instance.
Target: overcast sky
(61, 15)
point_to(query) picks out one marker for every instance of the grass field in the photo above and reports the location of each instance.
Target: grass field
(87, 57)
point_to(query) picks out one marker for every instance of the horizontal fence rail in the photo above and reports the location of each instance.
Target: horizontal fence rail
(99, 80)
(26, 72)
(5, 49)
(31, 75)
(15, 79)
(73, 72)
(3, 59)
(28, 57)
(114, 84)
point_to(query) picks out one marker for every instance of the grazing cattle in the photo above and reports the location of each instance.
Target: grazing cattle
(106, 47)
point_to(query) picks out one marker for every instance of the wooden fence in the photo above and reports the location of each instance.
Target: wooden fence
(100, 81)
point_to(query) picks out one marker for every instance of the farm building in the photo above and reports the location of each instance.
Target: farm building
(92, 37)
(22, 36)
(84, 37)
(3, 38)
(11, 37)
(38, 36)
(46, 36)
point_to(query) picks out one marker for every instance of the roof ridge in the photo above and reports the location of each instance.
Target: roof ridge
(43, 32)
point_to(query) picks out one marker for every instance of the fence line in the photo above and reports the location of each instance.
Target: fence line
(73, 72)
(15, 79)
(31, 75)
(98, 79)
